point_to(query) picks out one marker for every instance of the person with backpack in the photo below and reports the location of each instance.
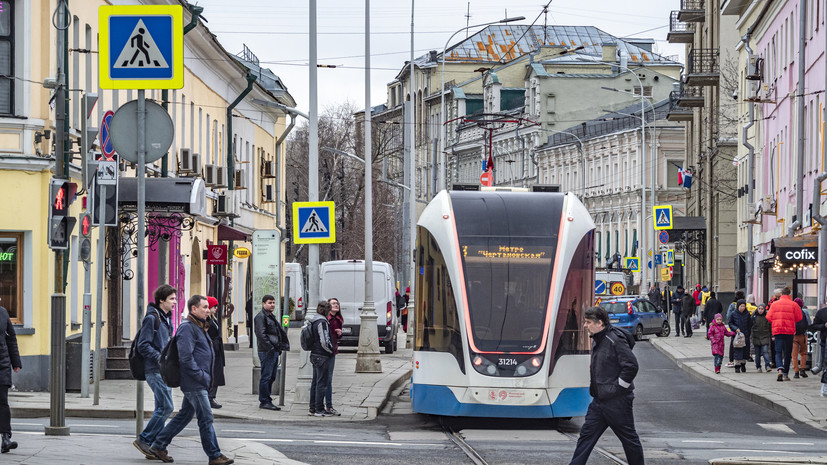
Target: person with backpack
(820, 324)
(218, 349)
(612, 371)
(195, 359)
(155, 332)
(336, 322)
(270, 338)
(320, 353)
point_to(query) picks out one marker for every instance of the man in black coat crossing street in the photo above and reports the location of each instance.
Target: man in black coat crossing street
(613, 369)
(9, 361)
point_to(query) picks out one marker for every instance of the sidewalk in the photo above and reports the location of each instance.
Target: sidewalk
(357, 396)
(798, 398)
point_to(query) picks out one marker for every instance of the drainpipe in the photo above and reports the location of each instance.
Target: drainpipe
(751, 176)
(799, 185)
(251, 79)
(278, 166)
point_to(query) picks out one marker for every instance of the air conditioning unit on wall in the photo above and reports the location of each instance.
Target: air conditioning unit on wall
(210, 175)
(239, 180)
(268, 169)
(221, 177)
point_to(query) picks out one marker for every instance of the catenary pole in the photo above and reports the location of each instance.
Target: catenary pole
(411, 127)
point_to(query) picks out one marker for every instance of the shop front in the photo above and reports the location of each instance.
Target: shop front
(794, 263)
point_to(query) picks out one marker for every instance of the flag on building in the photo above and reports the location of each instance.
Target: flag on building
(687, 179)
(680, 176)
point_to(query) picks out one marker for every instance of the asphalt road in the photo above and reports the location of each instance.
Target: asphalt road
(679, 418)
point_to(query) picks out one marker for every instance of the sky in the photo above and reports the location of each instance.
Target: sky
(276, 31)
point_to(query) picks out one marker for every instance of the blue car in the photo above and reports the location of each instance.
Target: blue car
(636, 315)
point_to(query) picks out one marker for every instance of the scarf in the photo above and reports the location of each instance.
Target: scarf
(203, 324)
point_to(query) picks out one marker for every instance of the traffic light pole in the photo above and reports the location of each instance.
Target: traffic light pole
(99, 296)
(57, 377)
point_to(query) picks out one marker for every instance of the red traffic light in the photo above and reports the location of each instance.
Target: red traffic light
(86, 225)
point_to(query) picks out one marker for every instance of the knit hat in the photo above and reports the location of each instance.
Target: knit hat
(407, 290)
(741, 302)
(717, 315)
(799, 302)
(212, 301)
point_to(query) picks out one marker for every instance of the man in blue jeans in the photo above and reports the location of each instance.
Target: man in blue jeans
(196, 359)
(271, 338)
(151, 342)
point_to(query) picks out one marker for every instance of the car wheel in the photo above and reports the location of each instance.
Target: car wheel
(639, 332)
(665, 330)
(390, 346)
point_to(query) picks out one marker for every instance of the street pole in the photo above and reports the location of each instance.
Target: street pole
(367, 354)
(99, 295)
(305, 369)
(57, 376)
(411, 250)
(141, 239)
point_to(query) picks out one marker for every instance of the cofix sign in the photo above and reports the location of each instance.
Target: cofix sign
(797, 254)
(217, 254)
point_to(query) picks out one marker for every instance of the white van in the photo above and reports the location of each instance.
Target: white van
(345, 280)
(294, 271)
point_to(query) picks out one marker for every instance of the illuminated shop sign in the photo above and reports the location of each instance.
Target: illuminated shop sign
(6, 256)
(805, 255)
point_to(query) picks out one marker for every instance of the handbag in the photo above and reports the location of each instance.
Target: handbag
(739, 341)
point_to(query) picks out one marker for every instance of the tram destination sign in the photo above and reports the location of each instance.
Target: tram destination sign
(504, 252)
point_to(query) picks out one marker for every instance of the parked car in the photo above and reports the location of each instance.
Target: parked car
(636, 315)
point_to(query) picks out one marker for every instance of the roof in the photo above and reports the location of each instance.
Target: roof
(506, 42)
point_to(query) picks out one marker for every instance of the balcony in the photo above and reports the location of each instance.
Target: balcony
(692, 11)
(679, 31)
(690, 97)
(703, 67)
(677, 112)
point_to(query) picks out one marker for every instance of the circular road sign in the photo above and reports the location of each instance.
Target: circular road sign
(618, 288)
(124, 131)
(663, 237)
(487, 179)
(600, 287)
(104, 135)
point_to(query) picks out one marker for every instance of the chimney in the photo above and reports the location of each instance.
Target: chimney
(609, 52)
(432, 56)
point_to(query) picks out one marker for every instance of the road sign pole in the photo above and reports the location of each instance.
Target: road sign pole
(99, 294)
(139, 312)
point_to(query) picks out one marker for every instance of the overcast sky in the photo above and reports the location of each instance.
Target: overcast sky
(277, 32)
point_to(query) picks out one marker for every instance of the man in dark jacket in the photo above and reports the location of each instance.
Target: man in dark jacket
(677, 304)
(270, 337)
(688, 309)
(820, 324)
(320, 358)
(9, 361)
(196, 358)
(713, 307)
(613, 369)
(151, 343)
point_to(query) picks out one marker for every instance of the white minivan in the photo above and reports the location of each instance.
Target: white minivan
(294, 271)
(345, 280)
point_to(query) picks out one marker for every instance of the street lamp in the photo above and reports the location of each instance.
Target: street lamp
(582, 159)
(442, 134)
(643, 277)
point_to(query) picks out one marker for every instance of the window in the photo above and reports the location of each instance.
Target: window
(647, 91)
(11, 274)
(6, 58)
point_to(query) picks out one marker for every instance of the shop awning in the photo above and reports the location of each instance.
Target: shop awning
(794, 242)
(229, 233)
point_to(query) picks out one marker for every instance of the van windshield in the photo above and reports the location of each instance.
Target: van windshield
(349, 286)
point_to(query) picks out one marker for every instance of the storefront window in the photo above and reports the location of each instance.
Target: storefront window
(11, 274)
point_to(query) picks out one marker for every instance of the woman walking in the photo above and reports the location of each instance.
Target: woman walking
(218, 349)
(336, 321)
(761, 337)
(9, 361)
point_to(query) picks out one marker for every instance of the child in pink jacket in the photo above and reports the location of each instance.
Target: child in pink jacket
(717, 332)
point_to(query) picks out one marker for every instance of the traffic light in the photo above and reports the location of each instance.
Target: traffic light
(110, 216)
(61, 195)
(85, 251)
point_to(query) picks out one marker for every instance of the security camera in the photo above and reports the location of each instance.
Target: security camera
(735, 94)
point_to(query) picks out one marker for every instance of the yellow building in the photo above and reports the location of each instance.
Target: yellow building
(213, 79)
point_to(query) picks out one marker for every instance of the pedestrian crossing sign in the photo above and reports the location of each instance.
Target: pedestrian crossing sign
(663, 216)
(633, 263)
(141, 46)
(314, 223)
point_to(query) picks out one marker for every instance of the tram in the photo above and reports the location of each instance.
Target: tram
(504, 279)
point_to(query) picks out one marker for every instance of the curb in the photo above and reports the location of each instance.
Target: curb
(768, 461)
(738, 391)
(381, 392)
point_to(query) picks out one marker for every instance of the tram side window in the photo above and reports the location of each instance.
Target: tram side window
(437, 321)
(569, 336)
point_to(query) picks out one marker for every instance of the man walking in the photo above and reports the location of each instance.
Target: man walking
(783, 315)
(195, 356)
(9, 361)
(613, 369)
(677, 304)
(688, 309)
(151, 343)
(270, 338)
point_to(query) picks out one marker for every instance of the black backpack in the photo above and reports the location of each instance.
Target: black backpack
(170, 363)
(307, 339)
(136, 360)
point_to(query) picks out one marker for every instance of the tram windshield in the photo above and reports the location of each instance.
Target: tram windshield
(507, 245)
